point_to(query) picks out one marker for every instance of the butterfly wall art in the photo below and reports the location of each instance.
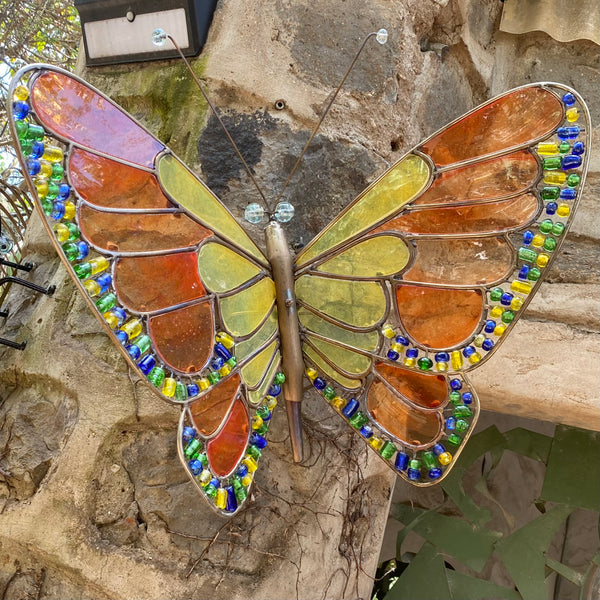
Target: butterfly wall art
(385, 312)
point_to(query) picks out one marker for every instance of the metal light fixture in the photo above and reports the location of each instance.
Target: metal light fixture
(117, 31)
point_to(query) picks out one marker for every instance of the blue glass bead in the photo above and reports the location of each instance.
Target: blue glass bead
(487, 344)
(122, 336)
(37, 149)
(489, 326)
(195, 466)
(133, 351)
(215, 482)
(275, 390)
(527, 237)
(506, 299)
(221, 351)
(319, 383)
(216, 363)
(570, 161)
(192, 389)
(147, 364)
(412, 352)
(258, 440)
(551, 208)
(450, 423)
(58, 211)
(468, 351)
(435, 473)
(33, 166)
(438, 449)
(188, 433)
(119, 313)
(402, 340)
(20, 110)
(578, 148)
(64, 189)
(414, 474)
(366, 431)
(350, 408)
(456, 384)
(467, 397)
(442, 357)
(401, 461)
(568, 133)
(392, 355)
(231, 499)
(104, 281)
(568, 99)
(84, 250)
(568, 194)
(523, 273)
(242, 470)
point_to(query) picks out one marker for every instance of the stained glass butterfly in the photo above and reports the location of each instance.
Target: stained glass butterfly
(385, 312)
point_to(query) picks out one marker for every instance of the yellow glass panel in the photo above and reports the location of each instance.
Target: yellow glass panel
(327, 369)
(195, 197)
(347, 360)
(357, 303)
(252, 373)
(243, 312)
(256, 396)
(364, 340)
(221, 269)
(396, 187)
(378, 256)
(247, 347)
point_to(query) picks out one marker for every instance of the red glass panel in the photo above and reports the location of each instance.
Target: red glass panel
(209, 411)
(149, 283)
(428, 391)
(74, 111)
(183, 338)
(111, 184)
(520, 117)
(439, 317)
(226, 449)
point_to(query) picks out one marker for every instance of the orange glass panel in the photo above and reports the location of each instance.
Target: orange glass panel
(140, 289)
(74, 111)
(520, 117)
(428, 391)
(209, 411)
(111, 184)
(408, 425)
(471, 262)
(184, 338)
(126, 232)
(226, 449)
(499, 216)
(495, 178)
(439, 317)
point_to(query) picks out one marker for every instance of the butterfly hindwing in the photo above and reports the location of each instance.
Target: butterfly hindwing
(444, 252)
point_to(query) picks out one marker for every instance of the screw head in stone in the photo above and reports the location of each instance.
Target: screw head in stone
(159, 37)
(382, 36)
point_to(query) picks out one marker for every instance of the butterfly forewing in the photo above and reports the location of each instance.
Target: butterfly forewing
(163, 264)
(457, 254)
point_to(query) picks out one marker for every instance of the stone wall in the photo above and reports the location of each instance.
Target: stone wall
(93, 503)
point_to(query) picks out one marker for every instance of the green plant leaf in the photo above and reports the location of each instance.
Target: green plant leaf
(465, 587)
(523, 552)
(528, 443)
(572, 476)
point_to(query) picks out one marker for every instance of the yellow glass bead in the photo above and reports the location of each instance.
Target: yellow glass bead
(225, 339)
(399, 348)
(247, 479)
(456, 360)
(339, 402)
(250, 463)
(97, 265)
(69, 211)
(109, 317)
(522, 287)
(499, 329)
(203, 383)
(410, 362)
(224, 370)
(445, 458)
(221, 498)
(496, 312)
(572, 114)
(478, 340)
(563, 210)
(547, 148)
(542, 260)
(388, 331)
(442, 367)
(257, 422)
(311, 373)
(555, 177)
(516, 303)
(474, 358)
(93, 289)
(270, 402)
(45, 169)
(169, 386)
(53, 154)
(62, 233)
(41, 187)
(132, 328)
(21, 93)
(538, 241)
(204, 477)
(375, 442)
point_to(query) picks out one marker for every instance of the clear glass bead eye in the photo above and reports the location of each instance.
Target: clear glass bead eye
(159, 37)
(382, 36)
(254, 213)
(284, 212)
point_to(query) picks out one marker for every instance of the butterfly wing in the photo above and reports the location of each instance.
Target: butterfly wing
(183, 292)
(422, 276)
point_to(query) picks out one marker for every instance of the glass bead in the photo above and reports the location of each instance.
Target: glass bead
(578, 148)
(254, 452)
(216, 363)
(438, 449)
(442, 367)
(224, 370)
(21, 93)
(26, 147)
(204, 477)
(257, 422)
(311, 373)
(568, 194)
(414, 474)
(263, 412)
(462, 425)
(523, 271)
(462, 411)
(147, 364)
(180, 391)
(61, 231)
(275, 390)
(542, 261)
(20, 110)
(564, 147)
(572, 114)
(400, 339)
(450, 423)
(71, 251)
(388, 331)
(558, 229)
(258, 440)
(568, 133)
(57, 172)
(555, 177)
(232, 503)
(64, 190)
(550, 192)
(445, 458)
(156, 376)
(454, 439)
(106, 302)
(221, 499)
(467, 397)
(478, 340)
(70, 211)
(398, 348)
(213, 377)
(475, 358)
(551, 208)
(203, 383)
(527, 237)
(550, 244)
(366, 431)
(456, 360)
(144, 343)
(195, 467)
(210, 490)
(224, 339)
(375, 442)
(425, 364)
(132, 328)
(468, 351)
(222, 351)
(401, 462)
(242, 470)
(506, 299)
(33, 166)
(338, 402)
(232, 362)
(393, 355)
(537, 241)
(93, 289)
(284, 212)
(279, 378)
(387, 450)
(358, 420)
(429, 459)
(568, 99)
(247, 480)
(435, 473)
(382, 36)
(188, 433)
(489, 326)
(53, 154)
(547, 148)
(499, 330)
(496, 294)
(516, 303)
(410, 362)
(191, 448)
(442, 357)
(329, 393)
(319, 383)
(522, 287)
(563, 210)
(350, 408)
(21, 127)
(35, 132)
(254, 213)
(456, 384)
(159, 37)
(573, 180)
(37, 149)
(454, 397)
(122, 337)
(496, 312)
(508, 317)
(570, 161)
(551, 164)
(250, 463)
(546, 226)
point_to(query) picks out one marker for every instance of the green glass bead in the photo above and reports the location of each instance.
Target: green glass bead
(74, 232)
(203, 459)
(551, 164)
(455, 439)
(550, 244)
(213, 377)
(48, 206)
(573, 180)
(550, 193)
(558, 229)
(254, 452)
(534, 274)
(22, 127)
(71, 251)
(358, 420)
(415, 464)
(462, 411)
(387, 450)
(496, 294)
(508, 316)
(564, 147)
(279, 378)
(263, 411)
(461, 425)
(210, 490)
(26, 147)
(106, 302)
(527, 255)
(329, 392)
(546, 226)
(455, 397)
(52, 190)
(429, 459)
(262, 430)
(156, 376)
(35, 132)
(232, 361)
(144, 343)
(84, 270)
(238, 490)
(425, 363)
(57, 172)
(180, 389)
(191, 448)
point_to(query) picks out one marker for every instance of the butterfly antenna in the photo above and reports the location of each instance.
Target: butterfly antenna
(381, 36)
(159, 37)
